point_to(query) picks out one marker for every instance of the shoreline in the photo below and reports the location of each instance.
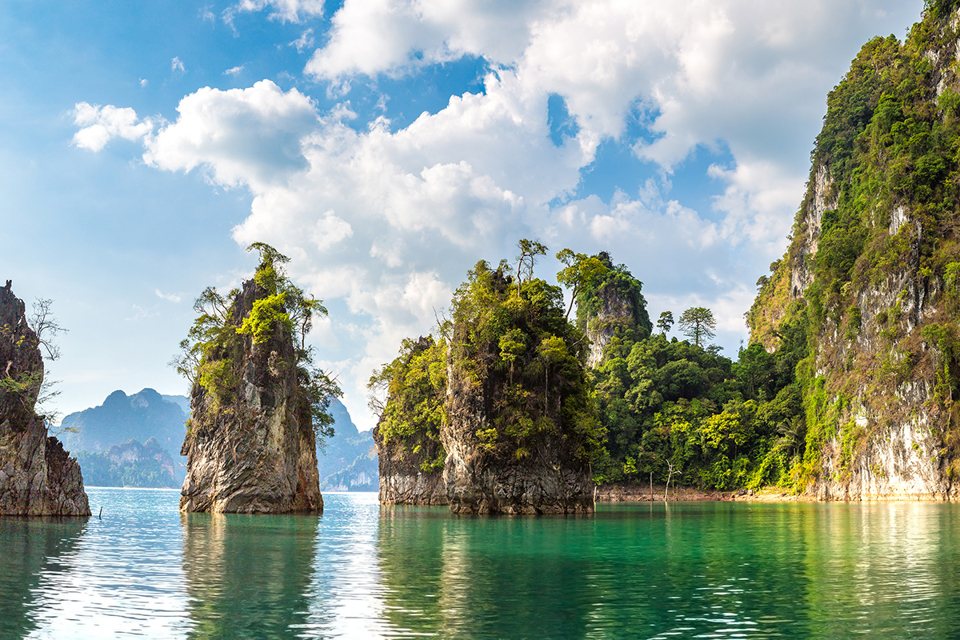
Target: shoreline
(625, 492)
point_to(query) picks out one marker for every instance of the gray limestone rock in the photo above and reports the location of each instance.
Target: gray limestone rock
(37, 477)
(253, 451)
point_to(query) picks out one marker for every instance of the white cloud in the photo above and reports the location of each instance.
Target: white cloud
(304, 42)
(177, 65)
(233, 71)
(143, 82)
(283, 10)
(98, 125)
(170, 297)
(241, 136)
(387, 221)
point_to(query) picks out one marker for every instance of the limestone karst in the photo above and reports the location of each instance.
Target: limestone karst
(37, 477)
(257, 404)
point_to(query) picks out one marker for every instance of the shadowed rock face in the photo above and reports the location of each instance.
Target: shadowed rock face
(402, 481)
(37, 477)
(255, 451)
(550, 480)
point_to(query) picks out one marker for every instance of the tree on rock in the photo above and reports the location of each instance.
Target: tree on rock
(258, 402)
(698, 324)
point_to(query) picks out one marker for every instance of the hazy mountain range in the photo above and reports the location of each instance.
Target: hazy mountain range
(135, 440)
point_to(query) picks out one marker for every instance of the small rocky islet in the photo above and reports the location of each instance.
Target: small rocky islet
(37, 477)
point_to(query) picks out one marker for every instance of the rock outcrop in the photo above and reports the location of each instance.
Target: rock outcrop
(402, 476)
(520, 426)
(37, 477)
(613, 306)
(872, 276)
(497, 420)
(407, 436)
(250, 444)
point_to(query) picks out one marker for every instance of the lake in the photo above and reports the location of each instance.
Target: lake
(711, 570)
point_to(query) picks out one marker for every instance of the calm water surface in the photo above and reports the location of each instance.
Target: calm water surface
(707, 570)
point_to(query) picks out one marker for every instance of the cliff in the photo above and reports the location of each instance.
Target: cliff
(250, 442)
(612, 305)
(494, 415)
(37, 477)
(407, 436)
(871, 275)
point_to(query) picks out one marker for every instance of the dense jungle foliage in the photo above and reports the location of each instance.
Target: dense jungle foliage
(654, 405)
(408, 394)
(676, 410)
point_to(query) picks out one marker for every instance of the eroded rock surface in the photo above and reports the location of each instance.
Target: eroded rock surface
(253, 449)
(37, 477)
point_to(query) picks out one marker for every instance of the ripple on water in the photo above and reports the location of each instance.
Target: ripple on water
(708, 570)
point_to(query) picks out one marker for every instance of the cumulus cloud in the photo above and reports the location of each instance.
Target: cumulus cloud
(98, 125)
(242, 136)
(283, 10)
(385, 221)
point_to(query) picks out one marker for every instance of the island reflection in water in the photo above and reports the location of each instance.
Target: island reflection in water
(247, 576)
(632, 570)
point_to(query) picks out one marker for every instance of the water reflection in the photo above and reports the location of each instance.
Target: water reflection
(33, 549)
(248, 576)
(359, 571)
(457, 577)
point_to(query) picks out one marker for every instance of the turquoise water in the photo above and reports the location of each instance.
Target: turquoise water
(711, 570)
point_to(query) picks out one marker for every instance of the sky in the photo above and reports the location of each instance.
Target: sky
(386, 146)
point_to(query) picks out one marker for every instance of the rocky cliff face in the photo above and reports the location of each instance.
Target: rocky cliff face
(611, 306)
(497, 417)
(872, 272)
(251, 447)
(519, 426)
(616, 310)
(403, 479)
(549, 478)
(37, 477)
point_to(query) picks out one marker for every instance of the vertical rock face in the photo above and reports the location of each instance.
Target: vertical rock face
(549, 479)
(611, 306)
(37, 477)
(497, 417)
(520, 425)
(252, 449)
(616, 310)
(872, 275)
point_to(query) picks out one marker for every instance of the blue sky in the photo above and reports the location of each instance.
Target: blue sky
(386, 146)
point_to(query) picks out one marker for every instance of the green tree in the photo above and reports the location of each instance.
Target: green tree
(529, 250)
(698, 324)
(211, 353)
(665, 323)
(580, 270)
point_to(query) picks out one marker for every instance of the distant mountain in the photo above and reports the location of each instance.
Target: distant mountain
(131, 464)
(348, 462)
(108, 438)
(142, 416)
